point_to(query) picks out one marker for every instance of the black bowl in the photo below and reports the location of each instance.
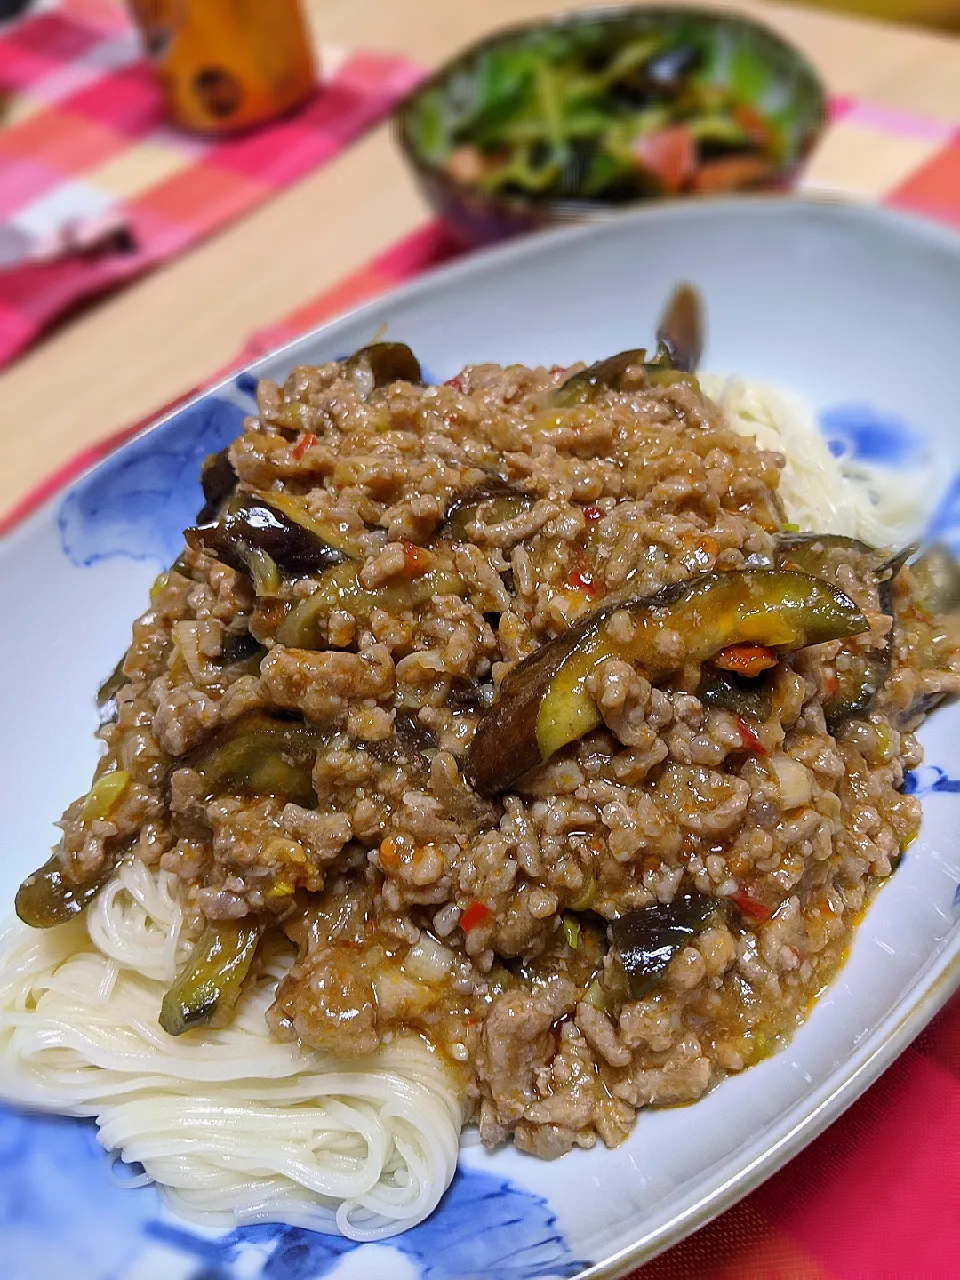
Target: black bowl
(773, 76)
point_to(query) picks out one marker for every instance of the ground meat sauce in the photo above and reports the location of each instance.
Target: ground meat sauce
(656, 905)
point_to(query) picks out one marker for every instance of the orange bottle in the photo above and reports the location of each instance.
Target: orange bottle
(228, 64)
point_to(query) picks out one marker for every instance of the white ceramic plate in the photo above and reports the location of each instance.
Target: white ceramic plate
(856, 308)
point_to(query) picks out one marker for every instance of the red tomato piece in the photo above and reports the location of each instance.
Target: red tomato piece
(669, 154)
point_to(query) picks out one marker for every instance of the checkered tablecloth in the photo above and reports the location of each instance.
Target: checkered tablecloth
(86, 156)
(902, 160)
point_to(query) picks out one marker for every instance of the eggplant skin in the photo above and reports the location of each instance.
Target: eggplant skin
(380, 364)
(545, 704)
(49, 896)
(605, 375)
(679, 348)
(273, 523)
(502, 499)
(680, 335)
(861, 677)
(936, 576)
(742, 696)
(339, 587)
(218, 480)
(212, 979)
(645, 941)
(259, 755)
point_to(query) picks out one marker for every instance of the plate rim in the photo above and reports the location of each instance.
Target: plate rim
(941, 977)
(80, 466)
(899, 1029)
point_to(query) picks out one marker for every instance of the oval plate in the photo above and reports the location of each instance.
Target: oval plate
(856, 308)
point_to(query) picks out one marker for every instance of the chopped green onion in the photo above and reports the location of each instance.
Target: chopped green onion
(263, 571)
(595, 996)
(586, 897)
(105, 793)
(571, 930)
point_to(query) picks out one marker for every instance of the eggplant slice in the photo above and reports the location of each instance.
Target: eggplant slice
(273, 526)
(860, 673)
(218, 480)
(259, 755)
(645, 941)
(679, 348)
(545, 703)
(211, 981)
(340, 588)
(500, 500)
(381, 364)
(49, 896)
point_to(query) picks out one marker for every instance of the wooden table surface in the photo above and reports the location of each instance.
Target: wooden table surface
(139, 349)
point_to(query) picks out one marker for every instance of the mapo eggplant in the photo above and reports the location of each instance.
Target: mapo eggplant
(545, 702)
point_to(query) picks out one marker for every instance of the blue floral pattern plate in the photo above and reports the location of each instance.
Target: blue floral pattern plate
(856, 309)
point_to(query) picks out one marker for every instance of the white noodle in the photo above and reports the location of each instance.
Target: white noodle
(234, 1126)
(884, 507)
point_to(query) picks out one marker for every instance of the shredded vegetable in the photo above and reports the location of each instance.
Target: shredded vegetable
(613, 111)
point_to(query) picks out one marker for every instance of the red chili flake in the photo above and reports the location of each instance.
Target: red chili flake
(306, 441)
(556, 369)
(455, 382)
(749, 739)
(581, 575)
(745, 659)
(582, 580)
(750, 906)
(416, 561)
(831, 684)
(593, 512)
(476, 913)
